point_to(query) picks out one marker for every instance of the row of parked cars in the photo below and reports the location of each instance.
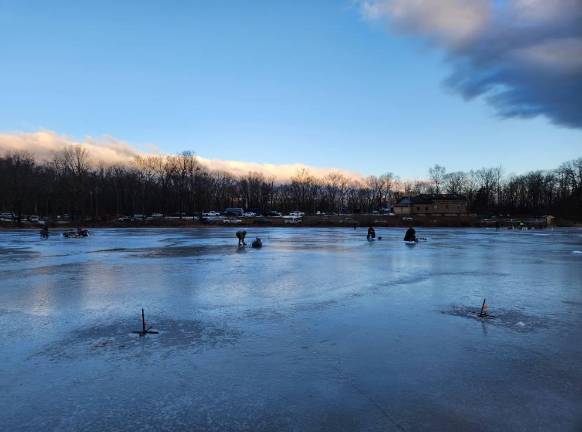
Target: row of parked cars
(236, 216)
(7, 217)
(11, 217)
(228, 216)
(141, 217)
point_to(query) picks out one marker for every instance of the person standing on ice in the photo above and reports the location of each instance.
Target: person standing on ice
(240, 235)
(44, 231)
(410, 235)
(371, 233)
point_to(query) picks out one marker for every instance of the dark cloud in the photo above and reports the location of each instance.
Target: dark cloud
(523, 56)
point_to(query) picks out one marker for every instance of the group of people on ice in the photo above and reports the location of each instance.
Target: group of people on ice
(78, 233)
(257, 243)
(241, 234)
(410, 235)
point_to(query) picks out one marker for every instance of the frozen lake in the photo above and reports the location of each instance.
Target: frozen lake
(318, 331)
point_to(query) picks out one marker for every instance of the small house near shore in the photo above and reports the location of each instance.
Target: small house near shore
(432, 205)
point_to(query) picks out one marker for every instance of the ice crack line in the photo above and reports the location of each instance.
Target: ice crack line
(370, 399)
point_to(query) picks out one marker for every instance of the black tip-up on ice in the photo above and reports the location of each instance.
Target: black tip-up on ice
(484, 313)
(144, 330)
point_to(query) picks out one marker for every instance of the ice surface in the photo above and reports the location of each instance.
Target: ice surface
(318, 330)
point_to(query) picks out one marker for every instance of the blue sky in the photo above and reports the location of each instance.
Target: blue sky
(259, 81)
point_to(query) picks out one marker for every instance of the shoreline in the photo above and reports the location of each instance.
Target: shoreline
(359, 221)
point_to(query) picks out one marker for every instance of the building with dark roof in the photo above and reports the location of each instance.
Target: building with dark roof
(432, 205)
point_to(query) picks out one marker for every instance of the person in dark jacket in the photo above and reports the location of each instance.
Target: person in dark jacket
(44, 232)
(410, 235)
(371, 233)
(240, 235)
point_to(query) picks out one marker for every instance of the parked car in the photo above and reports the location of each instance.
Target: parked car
(231, 221)
(249, 214)
(212, 219)
(292, 219)
(7, 217)
(297, 214)
(273, 213)
(234, 211)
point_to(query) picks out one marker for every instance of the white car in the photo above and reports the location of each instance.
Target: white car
(297, 214)
(211, 214)
(249, 214)
(291, 219)
(7, 217)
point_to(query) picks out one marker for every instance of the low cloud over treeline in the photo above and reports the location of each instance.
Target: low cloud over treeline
(70, 184)
(107, 151)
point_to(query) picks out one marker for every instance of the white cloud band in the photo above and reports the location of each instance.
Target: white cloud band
(44, 145)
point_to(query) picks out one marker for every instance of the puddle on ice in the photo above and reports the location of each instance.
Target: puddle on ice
(572, 302)
(263, 314)
(510, 319)
(186, 251)
(118, 340)
(10, 255)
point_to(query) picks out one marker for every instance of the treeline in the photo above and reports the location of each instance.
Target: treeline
(488, 191)
(180, 185)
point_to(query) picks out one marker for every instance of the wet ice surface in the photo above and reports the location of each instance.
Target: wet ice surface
(319, 330)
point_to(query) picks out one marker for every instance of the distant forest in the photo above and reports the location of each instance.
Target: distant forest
(179, 185)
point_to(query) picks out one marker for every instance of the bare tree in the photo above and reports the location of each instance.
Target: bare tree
(168, 184)
(436, 175)
(455, 182)
(18, 181)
